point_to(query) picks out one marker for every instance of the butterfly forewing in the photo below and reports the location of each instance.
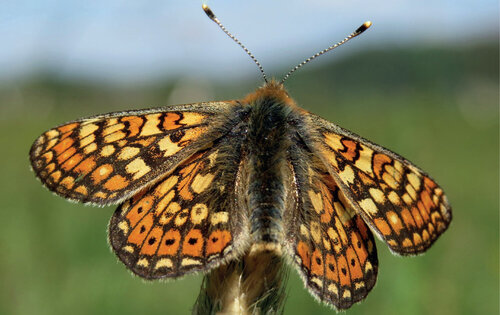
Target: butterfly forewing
(406, 208)
(333, 247)
(188, 221)
(105, 159)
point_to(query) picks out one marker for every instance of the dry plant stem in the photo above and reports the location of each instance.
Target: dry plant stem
(255, 284)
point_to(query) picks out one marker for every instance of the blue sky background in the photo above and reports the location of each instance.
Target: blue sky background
(125, 41)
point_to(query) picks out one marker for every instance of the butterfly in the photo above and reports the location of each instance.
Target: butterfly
(199, 184)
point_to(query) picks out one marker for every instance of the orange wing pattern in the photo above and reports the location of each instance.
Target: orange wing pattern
(188, 221)
(333, 247)
(406, 208)
(183, 177)
(105, 159)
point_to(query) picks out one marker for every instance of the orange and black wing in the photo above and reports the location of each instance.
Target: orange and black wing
(106, 159)
(189, 221)
(406, 207)
(333, 248)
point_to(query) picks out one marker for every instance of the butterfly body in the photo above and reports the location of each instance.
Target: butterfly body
(200, 185)
(267, 144)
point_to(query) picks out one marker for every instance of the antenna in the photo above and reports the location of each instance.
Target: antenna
(212, 16)
(357, 32)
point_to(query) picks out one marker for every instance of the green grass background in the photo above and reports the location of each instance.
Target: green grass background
(437, 106)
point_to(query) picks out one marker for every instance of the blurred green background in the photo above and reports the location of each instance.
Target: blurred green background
(435, 104)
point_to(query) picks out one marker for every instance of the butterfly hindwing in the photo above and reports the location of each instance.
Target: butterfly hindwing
(332, 246)
(188, 221)
(106, 159)
(406, 208)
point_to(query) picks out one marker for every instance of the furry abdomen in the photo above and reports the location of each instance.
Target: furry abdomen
(268, 144)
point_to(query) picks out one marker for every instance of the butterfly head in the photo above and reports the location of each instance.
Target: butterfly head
(273, 91)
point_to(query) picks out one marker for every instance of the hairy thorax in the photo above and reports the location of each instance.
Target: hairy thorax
(268, 143)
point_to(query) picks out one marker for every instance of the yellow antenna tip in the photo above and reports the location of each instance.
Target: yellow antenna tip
(363, 28)
(208, 12)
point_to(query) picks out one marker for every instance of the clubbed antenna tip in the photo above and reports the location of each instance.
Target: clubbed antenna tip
(212, 17)
(363, 28)
(208, 12)
(357, 32)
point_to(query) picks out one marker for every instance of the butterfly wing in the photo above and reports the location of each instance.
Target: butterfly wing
(406, 208)
(106, 159)
(333, 248)
(191, 220)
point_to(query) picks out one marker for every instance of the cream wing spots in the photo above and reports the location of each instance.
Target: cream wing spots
(406, 208)
(106, 159)
(189, 221)
(332, 247)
